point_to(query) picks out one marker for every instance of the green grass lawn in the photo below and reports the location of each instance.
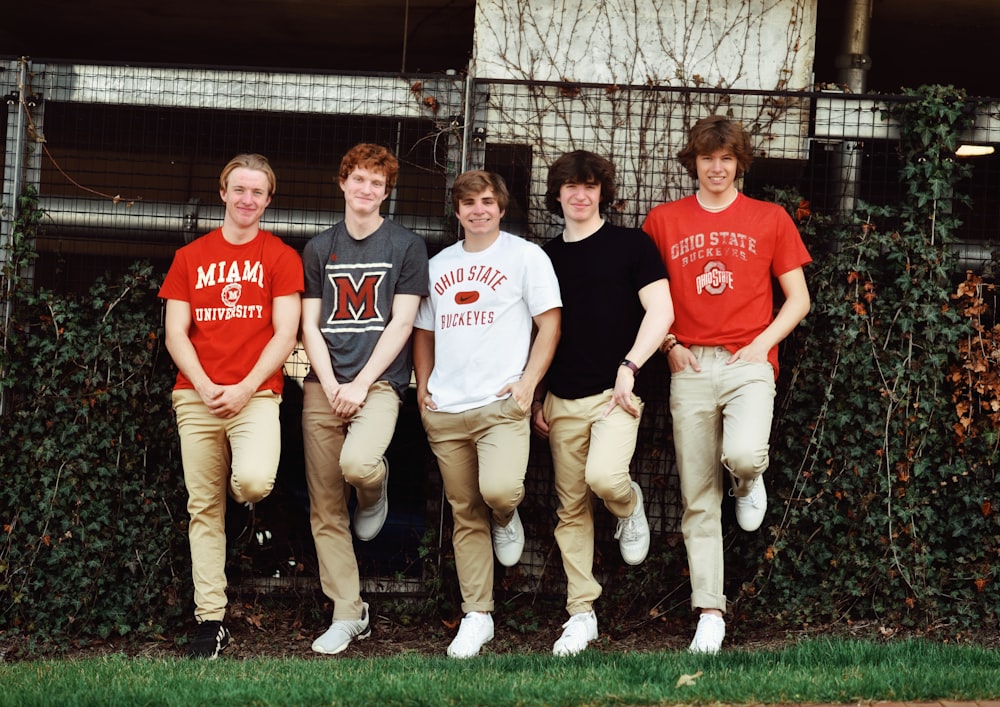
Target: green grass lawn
(815, 670)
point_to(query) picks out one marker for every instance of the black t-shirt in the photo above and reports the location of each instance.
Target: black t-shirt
(599, 278)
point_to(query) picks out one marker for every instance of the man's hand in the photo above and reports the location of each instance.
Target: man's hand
(425, 401)
(622, 395)
(350, 397)
(226, 401)
(751, 353)
(538, 422)
(680, 357)
(521, 392)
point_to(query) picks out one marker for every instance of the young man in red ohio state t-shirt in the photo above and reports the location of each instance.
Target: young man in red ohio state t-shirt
(723, 250)
(232, 301)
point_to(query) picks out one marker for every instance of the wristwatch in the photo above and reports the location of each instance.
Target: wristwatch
(628, 364)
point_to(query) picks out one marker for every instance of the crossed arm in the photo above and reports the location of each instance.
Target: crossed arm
(346, 398)
(225, 401)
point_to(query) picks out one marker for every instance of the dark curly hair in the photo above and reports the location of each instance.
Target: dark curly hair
(580, 167)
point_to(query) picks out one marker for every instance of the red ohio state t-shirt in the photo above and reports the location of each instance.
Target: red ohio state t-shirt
(722, 267)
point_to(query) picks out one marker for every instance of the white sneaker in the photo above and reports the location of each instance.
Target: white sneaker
(368, 522)
(341, 633)
(476, 629)
(750, 509)
(508, 541)
(709, 634)
(580, 630)
(633, 532)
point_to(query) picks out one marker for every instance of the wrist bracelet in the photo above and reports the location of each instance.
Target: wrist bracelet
(629, 365)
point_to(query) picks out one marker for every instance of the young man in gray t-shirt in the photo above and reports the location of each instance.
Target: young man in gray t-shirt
(365, 277)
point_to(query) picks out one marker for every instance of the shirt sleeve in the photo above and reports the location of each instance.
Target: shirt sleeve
(789, 252)
(414, 278)
(649, 265)
(425, 315)
(312, 269)
(288, 277)
(541, 284)
(175, 284)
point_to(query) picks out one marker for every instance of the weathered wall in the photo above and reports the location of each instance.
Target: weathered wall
(740, 44)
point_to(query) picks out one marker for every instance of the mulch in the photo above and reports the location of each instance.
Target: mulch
(284, 627)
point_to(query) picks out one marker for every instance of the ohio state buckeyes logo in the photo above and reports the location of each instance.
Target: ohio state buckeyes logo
(231, 294)
(715, 278)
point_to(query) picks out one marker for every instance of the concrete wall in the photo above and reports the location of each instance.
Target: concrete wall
(740, 44)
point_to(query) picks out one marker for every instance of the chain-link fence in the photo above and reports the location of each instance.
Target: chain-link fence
(126, 161)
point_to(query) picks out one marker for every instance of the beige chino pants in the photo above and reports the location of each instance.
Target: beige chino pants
(343, 454)
(591, 455)
(483, 457)
(722, 421)
(239, 456)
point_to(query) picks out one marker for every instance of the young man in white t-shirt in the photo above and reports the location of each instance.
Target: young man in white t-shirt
(477, 367)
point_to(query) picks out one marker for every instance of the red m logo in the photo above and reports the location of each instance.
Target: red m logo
(356, 300)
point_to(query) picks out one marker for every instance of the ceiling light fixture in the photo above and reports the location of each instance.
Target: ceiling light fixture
(974, 150)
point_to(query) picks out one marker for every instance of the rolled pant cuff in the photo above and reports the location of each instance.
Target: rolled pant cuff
(704, 600)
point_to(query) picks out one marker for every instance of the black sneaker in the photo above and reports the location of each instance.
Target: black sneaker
(240, 521)
(210, 640)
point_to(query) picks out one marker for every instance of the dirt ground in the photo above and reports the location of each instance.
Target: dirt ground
(286, 626)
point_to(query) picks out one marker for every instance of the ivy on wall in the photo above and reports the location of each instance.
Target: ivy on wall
(92, 517)
(885, 448)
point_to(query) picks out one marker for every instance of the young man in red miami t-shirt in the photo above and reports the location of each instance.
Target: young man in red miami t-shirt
(722, 250)
(232, 319)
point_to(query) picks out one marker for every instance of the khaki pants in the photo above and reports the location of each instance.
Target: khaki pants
(341, 454)
(483, 456)
(722, 419)
(590, 454)
(239, 455)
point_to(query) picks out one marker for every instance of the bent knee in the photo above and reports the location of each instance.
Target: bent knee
(746, 464)
(359, 471)
(252, 490)
(610, 489)
(503, 501)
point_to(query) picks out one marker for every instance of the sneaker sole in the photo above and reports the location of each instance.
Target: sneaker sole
(341, 649)
(564, 652)
(470, 655)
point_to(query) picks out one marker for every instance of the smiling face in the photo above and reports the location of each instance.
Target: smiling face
(480, 214)
(717, 172)
(580, 201)
(246, 196)
(364, 191)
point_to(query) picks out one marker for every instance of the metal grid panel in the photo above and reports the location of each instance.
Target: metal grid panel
(129, 168)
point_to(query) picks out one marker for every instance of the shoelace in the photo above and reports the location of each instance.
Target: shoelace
(752, 498)
(507, 532)
(626, 527)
